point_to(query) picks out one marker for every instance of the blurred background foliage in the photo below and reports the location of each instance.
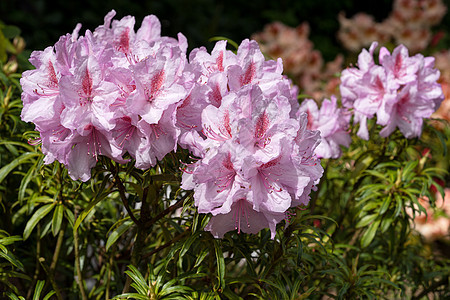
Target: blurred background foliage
(44, 21)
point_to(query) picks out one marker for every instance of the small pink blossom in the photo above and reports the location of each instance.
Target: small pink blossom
(332, 122)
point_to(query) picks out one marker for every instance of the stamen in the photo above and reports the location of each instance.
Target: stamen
(224, 130)
(241, 210)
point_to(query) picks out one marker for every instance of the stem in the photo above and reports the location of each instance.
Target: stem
(124, 198)
(167, 211)
(38, 255)
(135, 255)
(50, 277)
(140, 237)
(316, 194)
(79, 277)
(444, 281)
(108, 275)
(172, 241)
(57, 250)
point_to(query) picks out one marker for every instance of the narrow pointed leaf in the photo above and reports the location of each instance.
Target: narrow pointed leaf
(37, 216)
(57, 219)
(18, 161)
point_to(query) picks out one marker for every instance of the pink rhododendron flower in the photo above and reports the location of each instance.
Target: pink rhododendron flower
(401, 92)
(332, 122)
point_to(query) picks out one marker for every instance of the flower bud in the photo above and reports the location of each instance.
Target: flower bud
(19, 44)
(10, 67)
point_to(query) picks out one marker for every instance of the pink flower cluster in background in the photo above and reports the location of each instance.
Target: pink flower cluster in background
(401, 91)
(409, 24)
(435, 224)
(301, 61)
(443, 64)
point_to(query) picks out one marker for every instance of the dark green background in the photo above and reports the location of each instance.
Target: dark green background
(43, 21)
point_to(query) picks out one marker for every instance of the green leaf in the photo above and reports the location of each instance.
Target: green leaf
(116, 233)
(374, 173)
(38, 289)
(387, 221)
(69, 216)
(220, 265)
(21, 144)
(11, 31)
(12, 259)
(188, 243)
(408, 169)
(13, 296)
(366, 220)
(24, 183)
(139, 280)
(10, 240)
(57, 219)
(220, 38)
(131, 296)
(13, 164)
(200, 258)
(370, 233)
(88, 209)
(37, 216)
(51, 293)
(399, 205)
(384, 207)
(229, 294)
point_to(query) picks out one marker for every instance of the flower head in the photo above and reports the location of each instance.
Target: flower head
(401, 92)
(108, 92)
(255, 160)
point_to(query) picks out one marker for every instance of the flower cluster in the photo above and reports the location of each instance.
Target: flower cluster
(401, 91)
(301, 61)
(116, 92)
(443, 65)
(434, 223)
(360, 31)
(109, 92)
(255, 160)
(409, 24)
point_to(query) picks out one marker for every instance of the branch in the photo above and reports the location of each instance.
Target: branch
(57, 249)
(167, 211)
(38, 255)
(172, 241)
(51, 277)
(79, 277)
(124, 198)
(135, 254)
